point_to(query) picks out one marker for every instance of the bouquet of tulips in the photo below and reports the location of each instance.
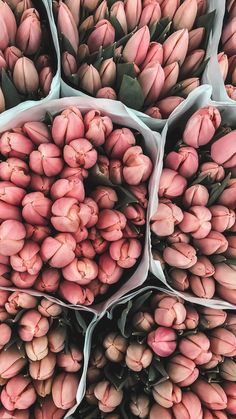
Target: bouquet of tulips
(73, 204)
(194, 226)
(161, 357)
(41, 357)
(26, 52)
(148, 54)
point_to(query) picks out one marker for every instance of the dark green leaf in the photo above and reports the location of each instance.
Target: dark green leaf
(81, 321)
(109, 52)
(98, 178)
(116, 375)
(130, 93)
(123, 319)
(117, 26)
(138, 302)
(199, 71)
(125, 197)
(125, 39)
(66, 45)
(48, 119)
(73, 79)
(218, 191)
(110, 3)
(11, 94)
(97, 63)
(162, 28)
(121, 70)
(206, 21)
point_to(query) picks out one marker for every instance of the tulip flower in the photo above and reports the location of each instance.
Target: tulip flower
(212, 318)
(202, 287)
(228, 369)
(15, 145)
(195, 38)
(125, 252)
(46, 408)
(223, 150)
(48, 281)
(133, 10)
(106, 93)
(11, 362)
(169, 8)
(167, 216)
(115, 346)
(75, 294)
(37, 348)
(140, 405)
(175, 47)
(64, 390)
(97, 127)
(137, 166)
(225, 275)
(196, 347)
(18, 300)
(223, 64)
(18, 393)
(66, 25)
(107, 395)
(70, 361)
(203, 123)
(171, 184)
(185, 161)
(12, 235)
(43, 369)
(137, 46)
(59, 251)
(67, 126)
(210, 394)
(138, 357)
(182, 371)
(180, 255)
(118, 142)
(8, 25)
(29, 34)
(38, 132)
(190, 405)
(162, 341)
(25, 76)
(185, 15)
(167, 394)
(82, 271)
(89, 79)
(213, 170)
(32, 324)
(109, 272)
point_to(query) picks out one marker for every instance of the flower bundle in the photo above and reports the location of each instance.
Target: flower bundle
(73, 204)
(41, 357)
(26, 52)
(227, 54)
(194, 227)
(161, 357)
(148, 54)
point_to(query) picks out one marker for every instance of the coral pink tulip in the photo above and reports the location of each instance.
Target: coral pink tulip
(66, 25)
(151, 80)
(180, 255)
(13, 144)
(203, 123)
(103, 35)
(36, 208)
(58, 251)
(182, 371)
(12, 235)
(167, 216)
(75, 294)
(213, 170)
(197, 222)
(108, 396)
(223, 342)
(196, 195)
(69, 217)
(196, 347)
(202, 287)
(137, 166)
(28, 259)
(137, 46)
(125, 252)
(46, 160)
(37, 348)
(185, 161)
(118, 142)
(71, 360)
(185, 15)
(189, 407)
(211, 395)
(48, 281)
(223, 151)
(29, 34)
(175, 47)
(171, 184)
(67, 126)
(167, 394)
(110, 224)
(16, 171)
(25, 76)
(80, 153)
(109, 272)
(32, 324)
(82, 271)
(64, 390)
(97, 127)
(138, 357)
(18, 393)
(162, 341)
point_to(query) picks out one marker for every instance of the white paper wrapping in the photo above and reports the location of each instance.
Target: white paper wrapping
(158, 124)
(200, 97)
(55, 86)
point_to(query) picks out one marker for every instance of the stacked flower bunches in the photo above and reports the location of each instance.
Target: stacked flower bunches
(73, 198)
(41, 357)
(148, 54)
(227, 48)
(26, 52)
(160, 357)
(194, 227)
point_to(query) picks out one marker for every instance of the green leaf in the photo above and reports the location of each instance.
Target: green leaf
(138, 303)
(109, 52)
(130, 93)
(116, 375)
(11, 94)
(110, 3)
(98, 178)
(123, 319)
(117, 26)
(124, 40)
(81, 321)
(218, 191)
(206, 21)
(48, 119)
(124, 69)
(162, 30)
(125, 197)
(199, 70)
(66, 45)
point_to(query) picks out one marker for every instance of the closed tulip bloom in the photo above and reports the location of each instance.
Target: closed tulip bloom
(195, 38)
(179, 279)
(168, 105)
(18, 300)
(167, 394)
(223, 342)
(188, 85)
(69, 64)
(69, 217)
(167, 216)
(46, 160)
(36, 208)
(64, 390)
(213, 243)
(80, 153)
(154, 54)
(189, 407)
(12, 235)
(43, 388)
(203, 123)
(110, 224)
(107, 395)
(5, 334)
(138, 357)
(105, 197)
(11, 362)
(117, 10)
(185, 161)
(106, 93)
(89, 79)
(151, 14)
(103, 35)
(196, 347)
(43, 369)
(97, 127)
(137, 46)
(28, 259)
(192, 318)
(56, 339)
(11, 193)
(45, 80)
(202, 267)
(25, 76)
(178, 237)
(139, 405)
(213, 170)
(231, 250)
(225, 275)
(211, 395)
(228, 369)
(100, 12)
(143, 321)
(212, 318)
(17, 414)
(171, 72)
(180, 255)
(67, 126)
(47, 409)
(136, 214)
(118, 142)
(66, 25)
(38, 132)
(41, 183)
(202, 287)
(171, 184)
(29, 34)
(169, 8)
(196, 195)
(58, 251)
(162, 341)
(140, 192)
(37, 349)
(125, 252)
(223, 64)
(153, 112)
(115, 172)
(115, 347)
(107, 72)
(48, 281)
(223, 151)
(192, 62)
(18, 393)
(151, 80)
(175, 47)
(158, 411)
(32, 324)
(68, 188)
(228, 197)
(71, 361)
(185, 15)
(16, 171)
(82, 271)
(23, 279)
(14, 144)
(49, 309)
(109, 272)
(182, 371)
(137, 166)
(230, 391)
(8, 25)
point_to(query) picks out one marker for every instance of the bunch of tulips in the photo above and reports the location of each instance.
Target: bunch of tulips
(148, 54)
(227, 56)
(160, 357)
(73, 198)
(194, 226)
(40, 357)
(26, 64)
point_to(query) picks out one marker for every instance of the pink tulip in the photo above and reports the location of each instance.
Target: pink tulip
(69, 64)
(43, 369)
(213, 170)
(10, 193)
(202, 267)
(115, 347)
(16, 414)
(136, 214)
(167, 216)
(133, 10)
(197, 222)
(58, 251)
(195, 38)
(96, 287)
(68, 188)
(185, 161)
(202, 287)
(118, 11)
(203, 123)
(48, 281)
(223, 64)
(171, 72)
(43, 388)
(223, 151)
(9, 211)
(196, 195)
(154, 54)
(230, 391)
(11, 362)
(38, 132)
(49, 309)
(25, 76)
(227, 369)
(180, 255)
(118, 142)
(100, 12)
(159, 411)
(138, 357)
(125, 252)
(196, 347)
(103, 35)
(107, 395)
(93, 212)
(182, 371)
(15, 145)
(105, 197)
(46, 160)
(37, 348)
(111, 223)
(179, 279)
(167, 394)
(81, 235)
(8, 26)
(106, 93)
(47, 408)
(69, 217)
(150, 15)
(169, 8)
(41, 183)
(175, 47)
(16, 171)
(32, 324)
(64, 390)
(89, 79)
(213, 243)
(210, 394)
(18, 300)
(116, 172)
(75, 294)
(66, 25)
(153, 112)
(80, 153)
(44, 60)
(57, 338)
(170, 311)
(18, 393)
(223, 342)
(162, 341)
(29, 34)
(45, 80)
(212, 318)
(228, 37)
(11, 55)
(36, 208)
(231, 250)
(100, 245)
(23, 279)
(97, 127)
(228, 197)
(12, 235)
(151, 80)
(5, 334)
(71, 360)
(137, 166)
(168, 105)
(185, 15)
(140, 192)
(189, 407)
(137, 46)
(109, 272)
(139, 406)
(67, 126)
(143, 321)
(188, 85)
(171, 184)
(28, 259)
(37, 233)
(74, 7)
(82, 271)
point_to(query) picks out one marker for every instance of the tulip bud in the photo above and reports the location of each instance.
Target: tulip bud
(202, 267)
(48, 281)
(49, 309)
(23, 279)
(182, 371)
(171, 184)
(107, 395)
(185, 15)
(211, 395)
(133, 10)
(214, 242)
(180, 255)
(64, 390)
(66, 25)
(151, 80)
(67, 126)
(8, 26)
(28, 259)
(196, 195)
(162, 341)
(106, 93)
(115, 346)
(197, 222)
(38, 132)
(11, 55)
(179, 279)
(43, 369)
(75, 294)
(223, 342)
(71, 360)
(169, 8)
(32, 324)
(137, 166)
(82, 271)
(202, 287)
(223, 150)
(57, 339)
(185, 161)
(203, 123)
(36, 208)
(18, 300)
(11, 362)
(69, 64)
(12, 235)
(47, 408)
(109, 272)
(5, 334)
(175, 47)
(125, 252)
(150, 15)
(58, 251)
(137, 46)
(195, 38)
(225, 275)
(43, 387)
(211, 318)
(196, 347)
(190, 406)
(46, 160)
(188, 85)
(167, 394)
(116, 172)
(228, 369)
(223, 64)
(168, 105)
(29, 34)
(89, 79)
(103, 35)
(97, 127)
(80, 153)
(25, 76)
(37, 349)
(192, 62)
(18, 393)
(138, 357)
